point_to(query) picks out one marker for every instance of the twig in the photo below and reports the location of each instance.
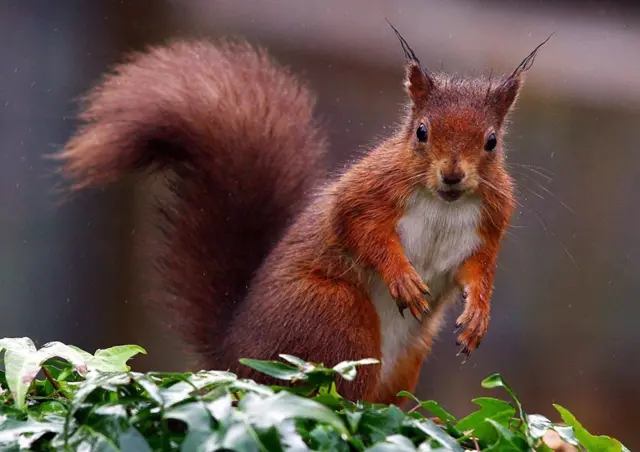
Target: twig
(414, 408)
(53, 382)
(475, 443)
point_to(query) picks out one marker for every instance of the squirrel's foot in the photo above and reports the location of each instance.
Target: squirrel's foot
(409, 291)
(475, 321)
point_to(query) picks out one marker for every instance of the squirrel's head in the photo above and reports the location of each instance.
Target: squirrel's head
(456, 125)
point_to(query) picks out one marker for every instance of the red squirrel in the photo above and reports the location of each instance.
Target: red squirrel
(263, 254)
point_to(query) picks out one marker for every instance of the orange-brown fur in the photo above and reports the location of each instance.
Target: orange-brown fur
(294, 276)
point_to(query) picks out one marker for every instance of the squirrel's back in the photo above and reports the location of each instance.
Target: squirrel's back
(236, 133)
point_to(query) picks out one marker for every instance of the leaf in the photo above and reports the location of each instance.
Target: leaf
(195, 415)
(432, 430)
(393, 443)
(112, 359)
(591, 442)
(507, 440)
(107, 381)
(566, 434)
(284, 405)
(347, 369)
(496, 381)
(490, 409)
(325, 438)
(432, 407)
(301, 363)
(131, 440)
(89, 439)
(181, 390)
(251, 386)
(23, 362)
(289, 436)
(221, 408)
(377, 424)
(12, 430)
(150, 387)
(274, 369)
(538, 425)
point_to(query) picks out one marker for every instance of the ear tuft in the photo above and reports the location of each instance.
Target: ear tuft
(507, 92)
(417, 82)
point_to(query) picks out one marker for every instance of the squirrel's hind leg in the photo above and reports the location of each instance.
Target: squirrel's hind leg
(330, 322)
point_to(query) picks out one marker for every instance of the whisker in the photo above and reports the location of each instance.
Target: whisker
(553, 234)
(540, 169)
(549, 192)
(535, 193)
(539, 173)
(498, 190)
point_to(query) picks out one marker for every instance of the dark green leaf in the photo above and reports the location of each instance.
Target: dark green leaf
(195, 415)
(496, 381)
(283, 405)
(325, 438)
(393, 443)
(538, 425)
(591, 442)
(490, 409)
(274, 369)
(23, 362)
(566, 433)
(432, 407)
(132, 441)
(26, 432)
(439, 435)
(507, 440)
(347, 369)
(300, 363)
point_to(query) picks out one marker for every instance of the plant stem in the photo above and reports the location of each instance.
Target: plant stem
(53, 382)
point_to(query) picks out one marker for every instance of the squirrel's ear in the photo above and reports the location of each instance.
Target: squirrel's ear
(417, 82)
(507, 92)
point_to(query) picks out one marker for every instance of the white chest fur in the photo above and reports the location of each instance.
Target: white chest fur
(437, 237)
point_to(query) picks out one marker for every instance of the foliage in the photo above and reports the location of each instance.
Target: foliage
(95, 402)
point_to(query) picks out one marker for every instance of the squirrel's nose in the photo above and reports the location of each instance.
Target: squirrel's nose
(452, 178)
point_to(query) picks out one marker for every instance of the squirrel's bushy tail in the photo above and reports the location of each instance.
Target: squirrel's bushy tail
(235, 133)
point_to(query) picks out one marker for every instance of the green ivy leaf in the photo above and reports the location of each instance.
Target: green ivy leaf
(274, 369)
(490, 409)
(182, 390)
(23, 362)
(434, 408)
(111, 359)
(26, 432)
(507, 440)
(325, 438)
(347, 369)
(538, 425)
(88, 438)
(393, 443)
(591, 442)
(566, 434)
(496, 381)
(433, 431)
(283, 405)
(131, 440)
(300, 363)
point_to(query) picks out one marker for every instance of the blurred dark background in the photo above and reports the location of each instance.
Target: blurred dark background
(564, 325)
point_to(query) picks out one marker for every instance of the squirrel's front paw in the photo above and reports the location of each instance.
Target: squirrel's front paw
(409, 291)
(475, 321)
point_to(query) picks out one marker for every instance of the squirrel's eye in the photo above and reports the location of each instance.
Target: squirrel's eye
(491, 143)
(422, 133)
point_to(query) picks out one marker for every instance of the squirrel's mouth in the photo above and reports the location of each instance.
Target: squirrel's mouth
(450, 195)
